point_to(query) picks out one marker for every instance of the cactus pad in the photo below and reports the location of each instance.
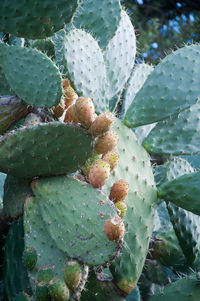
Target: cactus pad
(47, 149)
(31, 75)
(35, 20)
(77, 224)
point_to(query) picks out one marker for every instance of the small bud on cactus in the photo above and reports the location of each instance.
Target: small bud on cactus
(122, 208)
(30, 258)
(101, 124)
(99, 173)
(70, 115)
(58, 290)
(59, 109)
(112, 158)
(85, 111)
(65, 83)
(114, 228)
(72, 274)
(45, 274)
(106, 142)
(69, 96)
(119, 191)
(90, 162)
(42, 292)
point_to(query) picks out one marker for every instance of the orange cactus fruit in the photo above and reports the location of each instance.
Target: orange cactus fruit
(70, 115)
(65, 83)
(114, 228)
(106, 142)
(101, 124)
(99, 173)
(69, 96)
(119, 191)
(85, 111)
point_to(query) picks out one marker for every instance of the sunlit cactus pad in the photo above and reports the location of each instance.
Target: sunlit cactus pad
(75, 214)
(44, 149)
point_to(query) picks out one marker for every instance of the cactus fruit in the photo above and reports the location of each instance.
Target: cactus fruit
(119, 191)
(85, 111)
(122, 208)
(59, 110)
(66, 83)
(72, 274)
(58, 290)
(114, 228)
(42, 292)
(101, 124)
(30, 258)
(70, 115)
(99, 173)
(69, 96)
(112, 158)
(45, 274)
(90, 162)
(106, 142)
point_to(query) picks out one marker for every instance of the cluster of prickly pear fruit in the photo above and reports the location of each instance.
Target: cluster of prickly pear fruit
(94, 206)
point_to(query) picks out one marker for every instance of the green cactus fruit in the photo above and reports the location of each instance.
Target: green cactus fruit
(114, 228)
(170, 88)
(99, 173)
(70, 147)
(42, 292)
(30, 258)
(119, 191)
(100, 18)
(72, 274)
(90, 162)
(122, 208)
(45, 274)
(58, 290)
(11, 110)
(119, 56)
(31, 75)
(106, 142)
(85, 64)
(36, 20)
(101, 124)
(112, 158)
(85, 111)
(22, 297)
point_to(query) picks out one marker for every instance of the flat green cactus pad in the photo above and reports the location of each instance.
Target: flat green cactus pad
(119, 55)
(134, 167)
(44, 149)
(177, 135)
(35, 20)
(100, 18)
(75, 214)
(183, 191)
(85, 64)
(37, 237)
(4, 86)
(15, 191)
(183, 289)
(11, 110)
(31, 75)
(15, 274)
(172, 87)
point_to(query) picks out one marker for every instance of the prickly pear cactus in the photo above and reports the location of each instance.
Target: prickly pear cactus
(79, 185)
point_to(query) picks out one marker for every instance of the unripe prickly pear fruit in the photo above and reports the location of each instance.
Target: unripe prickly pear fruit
(45, 274)
(119, 191)
(85, 111)
(90, 162)
(59, 109)
(69, 96)
(112, 158)
(106, 142)
(122, 208)
(101, 124)
(58, 290)
(66, 83)
(70, 115)
(30, 258)
(114, 228)
(72, 274)
(99, 173)
(42, 292)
